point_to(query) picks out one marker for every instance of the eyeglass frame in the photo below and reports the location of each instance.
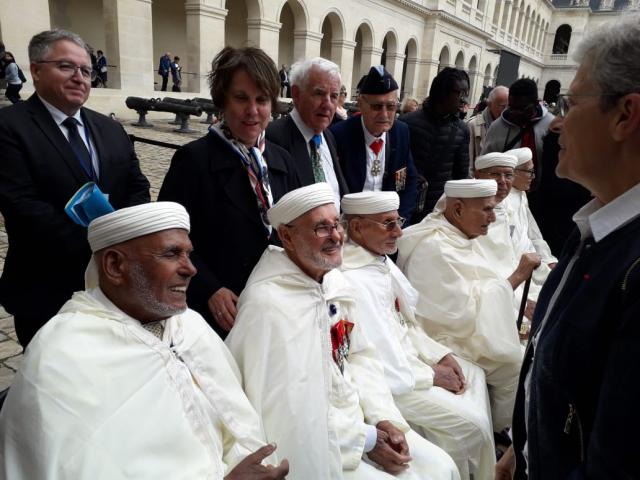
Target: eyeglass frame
(389, 225)
(85, 70)
(564, 106)
(495, 175)
(339, 227)
(530, 173)
(377, 107)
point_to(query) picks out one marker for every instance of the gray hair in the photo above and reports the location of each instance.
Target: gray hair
(41, 43)
(495, 90)
(300, 70)
(613, 55)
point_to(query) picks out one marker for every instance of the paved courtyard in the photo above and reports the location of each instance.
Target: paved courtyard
(154, 161)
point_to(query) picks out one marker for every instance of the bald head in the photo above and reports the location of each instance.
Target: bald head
(498, 100)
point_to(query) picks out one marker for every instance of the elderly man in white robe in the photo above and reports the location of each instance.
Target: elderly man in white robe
(126, 381)
(308, 367)
(498, 246)
(464, 303)
(525, 233)
(443, 398)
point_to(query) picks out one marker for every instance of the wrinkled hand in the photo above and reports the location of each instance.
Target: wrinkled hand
(222, 306)
(446, 377)
(528, 263)
(445, 371)
(251, 467)
(506, 466)
(529, 309)
(391, 451)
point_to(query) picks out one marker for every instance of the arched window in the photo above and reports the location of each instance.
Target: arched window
(551, 91)
(562, 39)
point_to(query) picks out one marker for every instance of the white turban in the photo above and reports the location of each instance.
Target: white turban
(523, 155)
(129, 223)
(366, 203)
(495, 159)
(470, 188)
(298, 202)
(133, 222)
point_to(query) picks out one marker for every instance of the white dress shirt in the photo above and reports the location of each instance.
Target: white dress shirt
(325, 154)
(373, 183)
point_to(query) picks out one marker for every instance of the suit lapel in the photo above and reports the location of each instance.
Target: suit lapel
(300, 154)
(45, 122)
(388, 181)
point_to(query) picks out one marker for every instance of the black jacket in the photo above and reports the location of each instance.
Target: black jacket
(285, 133)
(39, 173)
(583, 408)
(207, 177)
(440, 149)
(399, 171)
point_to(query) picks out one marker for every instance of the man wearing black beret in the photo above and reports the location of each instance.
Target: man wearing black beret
(373, 148)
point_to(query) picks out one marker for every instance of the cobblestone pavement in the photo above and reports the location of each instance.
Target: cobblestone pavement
(154, 162)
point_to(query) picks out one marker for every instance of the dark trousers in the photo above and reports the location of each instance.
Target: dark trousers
(165, 79)
(12, 92)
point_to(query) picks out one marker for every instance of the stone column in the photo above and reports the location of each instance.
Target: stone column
(306, 44)
(18, 23)
(370, 56)
(394, 65)
(205, 38)
(500, 8)
(346, 49)
(129, 41)
(264, 34)
(410, 87)
(428, 69)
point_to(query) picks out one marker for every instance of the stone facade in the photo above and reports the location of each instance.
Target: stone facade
(413, 38)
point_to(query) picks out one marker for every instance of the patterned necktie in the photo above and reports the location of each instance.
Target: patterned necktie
(314, 144)
(156, 328)
(376, 147)
(79, 147)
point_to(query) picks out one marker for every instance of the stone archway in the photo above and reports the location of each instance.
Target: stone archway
(293, 33)
(460, 60)
(551, 91)
(235, 23)
(363, 54)
(409, 69)
(332, 38)
(444, 58)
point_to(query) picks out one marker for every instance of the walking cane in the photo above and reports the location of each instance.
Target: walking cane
(523, 303)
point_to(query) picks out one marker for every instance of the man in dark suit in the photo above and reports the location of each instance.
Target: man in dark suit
(373, 149)
(304, 133)
(51, 146)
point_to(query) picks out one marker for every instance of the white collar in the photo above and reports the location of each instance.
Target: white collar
(58, 115)
(599, 220)
(306, 132)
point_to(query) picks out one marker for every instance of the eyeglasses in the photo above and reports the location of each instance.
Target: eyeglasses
(69, 69)
(528, 173)
(389, 225)
(462, 94)
(564, 105)
(377, 107)
(323, 230)
(497, 176)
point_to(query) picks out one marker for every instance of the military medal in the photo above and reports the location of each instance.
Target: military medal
(340, 342)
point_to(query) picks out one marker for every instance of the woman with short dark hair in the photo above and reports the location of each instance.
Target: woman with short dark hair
(228, 179)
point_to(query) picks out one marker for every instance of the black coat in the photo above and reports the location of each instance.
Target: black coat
(39, 173)
(583, 408)
(285, 133)
(352, 154)
(207, 177)
(440, 148)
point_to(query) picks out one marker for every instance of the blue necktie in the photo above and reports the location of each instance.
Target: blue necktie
(79, 147)
(316, 163)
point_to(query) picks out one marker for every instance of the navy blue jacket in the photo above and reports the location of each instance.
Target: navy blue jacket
(399, 169)
(583, 416)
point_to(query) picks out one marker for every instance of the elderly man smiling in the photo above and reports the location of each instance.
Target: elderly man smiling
(308, 368)
(126, 381)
